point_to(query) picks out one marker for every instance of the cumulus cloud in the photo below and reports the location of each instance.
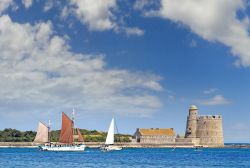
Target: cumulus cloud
(48, 5)
(97, 15)
(213, 20)
(4, 4)
(27, 3)
(140, 4)
(145, 5)
(134, 31)
(39, 72)
(216, 100)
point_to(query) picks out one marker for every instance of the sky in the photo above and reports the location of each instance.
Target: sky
(143, 61)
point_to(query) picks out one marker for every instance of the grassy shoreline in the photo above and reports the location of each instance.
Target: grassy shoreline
(14, 135)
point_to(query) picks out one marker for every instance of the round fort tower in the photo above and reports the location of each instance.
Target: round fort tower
(209, 130)
(191, 122)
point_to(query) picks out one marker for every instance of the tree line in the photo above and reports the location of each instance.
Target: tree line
(13, 135)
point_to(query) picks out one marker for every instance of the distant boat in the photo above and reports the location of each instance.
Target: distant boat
(198, 148)
(67, 137)
(109, 143)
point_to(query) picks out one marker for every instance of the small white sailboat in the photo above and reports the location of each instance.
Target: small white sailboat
(109, 143)
(67, 137)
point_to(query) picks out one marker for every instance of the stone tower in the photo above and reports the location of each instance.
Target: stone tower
(191, 122)
(209, 130)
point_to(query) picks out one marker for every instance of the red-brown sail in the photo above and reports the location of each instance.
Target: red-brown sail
(80, 137)
(66, 135)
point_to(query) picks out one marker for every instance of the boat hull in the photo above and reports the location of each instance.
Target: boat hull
(73, 148)
(111, 148)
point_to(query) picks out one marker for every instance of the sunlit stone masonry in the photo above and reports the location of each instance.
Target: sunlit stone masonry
(205, 130)
(201, 130)
(155, 136)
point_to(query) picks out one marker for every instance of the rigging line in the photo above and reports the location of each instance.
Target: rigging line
(117, 131)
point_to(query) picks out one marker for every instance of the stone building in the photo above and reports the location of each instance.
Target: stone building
(155, 135)
(204, 130)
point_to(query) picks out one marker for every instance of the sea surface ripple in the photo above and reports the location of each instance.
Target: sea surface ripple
(139, 158)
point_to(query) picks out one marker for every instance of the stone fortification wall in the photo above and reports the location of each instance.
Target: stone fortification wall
(209, 130)
(190, 141)
(157, 139)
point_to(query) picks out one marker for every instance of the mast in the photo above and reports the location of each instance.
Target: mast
(77, 136)
(49, 133)
(117, 132)
(73, 115)
(73, 121)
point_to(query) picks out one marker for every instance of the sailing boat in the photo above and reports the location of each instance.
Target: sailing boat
(42, 135)
(67, 137)
(109, 143)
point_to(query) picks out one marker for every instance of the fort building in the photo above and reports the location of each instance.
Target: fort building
(155, 135)
(201, 130)
(205, 130)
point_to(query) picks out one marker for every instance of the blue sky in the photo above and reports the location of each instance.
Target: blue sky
(143, 61)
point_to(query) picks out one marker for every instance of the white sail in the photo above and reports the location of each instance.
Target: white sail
(42, 133)
(110, 136)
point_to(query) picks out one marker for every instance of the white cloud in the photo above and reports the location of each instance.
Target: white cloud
(216, 100)
(210, 91)
(96, 14)
(39, 72)
(100, 16)
(143, 4)
(27, 3)
(153, 85)
(4, 4)
(134, 31)
(48, 5)
(140, 4)
(213, 20)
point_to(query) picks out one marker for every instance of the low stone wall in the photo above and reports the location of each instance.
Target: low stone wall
(17, 144)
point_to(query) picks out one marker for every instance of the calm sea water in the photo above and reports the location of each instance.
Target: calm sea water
(24, 157)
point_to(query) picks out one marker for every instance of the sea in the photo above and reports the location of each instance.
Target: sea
(134, 158)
